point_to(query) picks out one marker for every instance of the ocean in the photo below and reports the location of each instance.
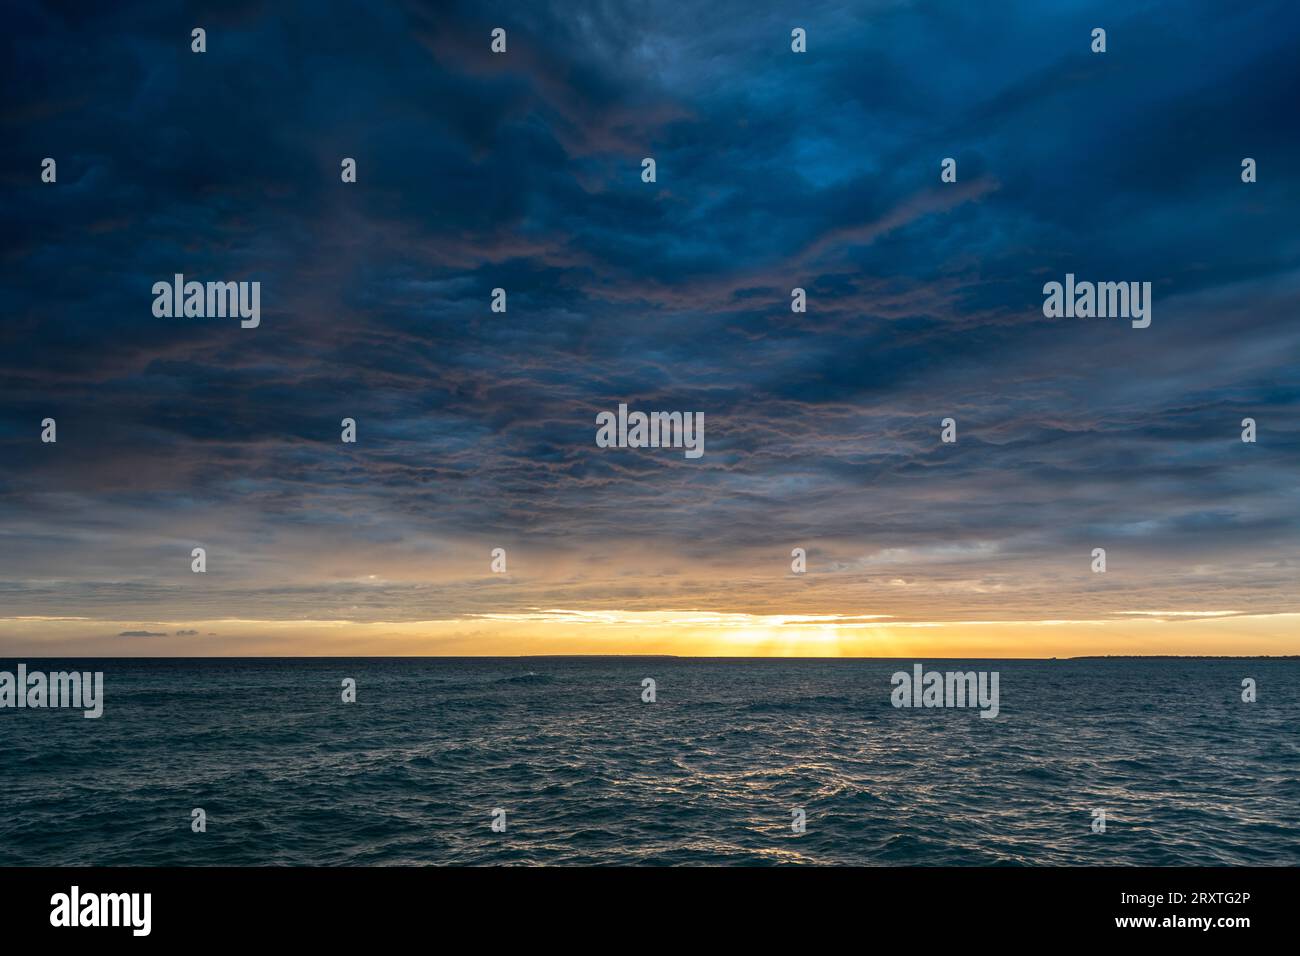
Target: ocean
(712, 772)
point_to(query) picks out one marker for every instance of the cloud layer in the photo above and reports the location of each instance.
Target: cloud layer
(775, 170)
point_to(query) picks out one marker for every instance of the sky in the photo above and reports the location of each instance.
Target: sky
(476, 429)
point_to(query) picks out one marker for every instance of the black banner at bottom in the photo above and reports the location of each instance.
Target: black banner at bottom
(181, 905)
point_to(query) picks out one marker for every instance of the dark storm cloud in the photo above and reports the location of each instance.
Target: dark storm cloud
(522, 171)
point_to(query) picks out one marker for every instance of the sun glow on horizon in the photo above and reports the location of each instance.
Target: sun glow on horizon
(687, 633)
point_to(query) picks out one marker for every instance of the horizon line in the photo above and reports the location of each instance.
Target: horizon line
(681, 657)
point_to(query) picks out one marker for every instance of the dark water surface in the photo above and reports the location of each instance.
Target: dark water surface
(708, 774)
